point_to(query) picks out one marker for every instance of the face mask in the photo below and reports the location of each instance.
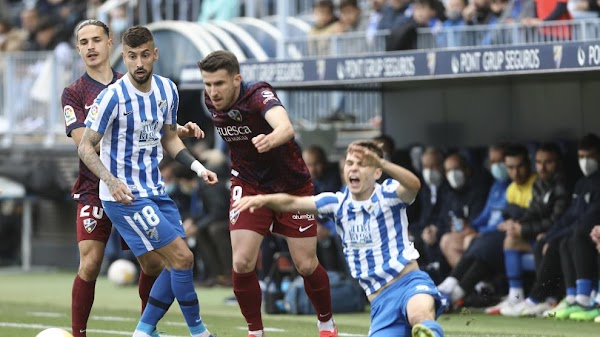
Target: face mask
(170, 188)
(588, 166)
(456, 178)
(118, 25)
(186, 189)
(432, 177)
(499, 171)
(454, 15)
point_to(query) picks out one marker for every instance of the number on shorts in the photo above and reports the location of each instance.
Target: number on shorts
(236, 193)
(148, 215)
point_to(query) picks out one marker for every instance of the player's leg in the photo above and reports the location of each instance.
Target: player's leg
(423, 305)
(316, 281)
(93, 231)
(245, 245)
(514, 247)
(151, 267)
(247, 231)
(154, 225)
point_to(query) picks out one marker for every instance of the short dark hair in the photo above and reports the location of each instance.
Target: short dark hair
(550, 147)
(91, 22)
(517, 150)
(327, 4)
(589, 142)
(317, 151)
(136, 36)
(371, 145)
(348, 3)
(220, 59)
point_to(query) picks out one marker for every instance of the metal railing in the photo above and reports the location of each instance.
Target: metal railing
(508, 34)
(353, 43)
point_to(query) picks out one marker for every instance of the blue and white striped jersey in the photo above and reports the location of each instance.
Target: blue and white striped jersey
(374, 233)
(131, 122)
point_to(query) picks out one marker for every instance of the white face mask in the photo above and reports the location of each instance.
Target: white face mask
(456, 178)
(588, 166)
(432, 177)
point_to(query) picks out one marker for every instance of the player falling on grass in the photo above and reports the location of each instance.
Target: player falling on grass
(264, 159)
(93, 225)
(371, 219)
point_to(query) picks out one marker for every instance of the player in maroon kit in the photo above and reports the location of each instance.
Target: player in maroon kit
(265, 159)
(93, 226)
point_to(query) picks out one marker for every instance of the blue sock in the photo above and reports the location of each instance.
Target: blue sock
(435, 327)
(584, 287)
(182, 283)
(161, 298)
(512, 263)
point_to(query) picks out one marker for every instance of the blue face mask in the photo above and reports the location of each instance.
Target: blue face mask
(170, 188)
(499, 171)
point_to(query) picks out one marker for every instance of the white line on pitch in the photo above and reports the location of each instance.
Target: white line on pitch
(42, 326)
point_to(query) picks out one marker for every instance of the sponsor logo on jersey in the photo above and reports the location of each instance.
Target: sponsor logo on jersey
(148, 134)
(93, 113)
(307, 216)
(422, 287)
(236, 115)
(69, 115)
(89, 225)
(269, 96)
(304, 229)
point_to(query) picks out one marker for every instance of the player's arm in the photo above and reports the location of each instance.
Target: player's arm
(87, 152)
(279, 202)
(283, 131)
(409, 183)
(190, 129)
(175, 148)
(77, 135)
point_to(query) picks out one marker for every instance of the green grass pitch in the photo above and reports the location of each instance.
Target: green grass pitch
(31, 302)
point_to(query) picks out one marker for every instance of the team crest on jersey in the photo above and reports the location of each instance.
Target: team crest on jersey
(152, 234)
(269, 96)
(69, 115)
(233, 216)
(162, 105)
(89, 225)
(236, 115)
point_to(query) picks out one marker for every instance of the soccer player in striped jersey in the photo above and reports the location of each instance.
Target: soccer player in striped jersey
(133, 120)
(93, 226)
(264, 159)
(371, 219)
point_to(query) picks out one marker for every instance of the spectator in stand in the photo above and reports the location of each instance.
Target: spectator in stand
(478, 12)
(204, 211)
(578, 249)
(433, 194)
(324, 25)
(466, 201)
(350, 18)
(325, 178)
(550, 10)
(450, 37)
(550, 200)
(30, 19)
(11, 38)
(374, 18)
(489, 218)
(517, 10)
(404, 37)
(395, 14)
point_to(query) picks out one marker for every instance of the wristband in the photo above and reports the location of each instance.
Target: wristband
(198, 168)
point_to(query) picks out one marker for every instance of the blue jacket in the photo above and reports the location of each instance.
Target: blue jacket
(491, 216)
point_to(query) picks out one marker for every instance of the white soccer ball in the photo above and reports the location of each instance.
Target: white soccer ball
(122, 272)
(54, 332)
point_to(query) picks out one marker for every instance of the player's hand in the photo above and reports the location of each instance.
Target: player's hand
(251, 203)
(190, 129)
(209, 177)
(365, 155)
(120, 192)
(262, 143)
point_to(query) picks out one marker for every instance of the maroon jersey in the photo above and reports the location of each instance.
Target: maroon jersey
(77, 98)
(279, 170)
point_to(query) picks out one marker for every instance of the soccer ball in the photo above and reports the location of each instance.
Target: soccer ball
(122, 272)
(54, 332)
